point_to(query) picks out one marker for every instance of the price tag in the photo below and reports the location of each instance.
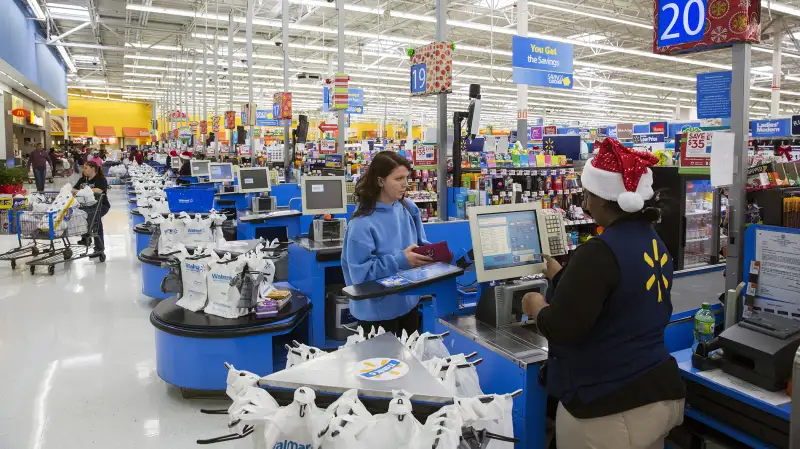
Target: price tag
(484, 171)
(541, 193)
(527, 172)
(504, 172)
(550, 192)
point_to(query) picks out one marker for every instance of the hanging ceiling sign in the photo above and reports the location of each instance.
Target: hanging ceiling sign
(432, 69)
(683, 26)
(230, 119)
(215, 124)
(537, 62)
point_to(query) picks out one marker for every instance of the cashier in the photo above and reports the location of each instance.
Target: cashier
(605, 315)
(379, 240)
(186, 168)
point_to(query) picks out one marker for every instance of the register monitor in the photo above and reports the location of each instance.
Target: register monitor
(200, 168)
(323, 195)
(253, 179)
(508, 240)
(175, 163)
(220, 172)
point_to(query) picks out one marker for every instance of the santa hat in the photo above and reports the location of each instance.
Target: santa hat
(173, 153)
(620, 174)
(186, 155)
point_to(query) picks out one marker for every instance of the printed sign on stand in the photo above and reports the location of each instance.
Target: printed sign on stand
(538, 62)
(611, 131)
(648, 141)
(714, 95)
(425, 154)
(624, 130)
(658, 127)
(327, 146)
(696, 152)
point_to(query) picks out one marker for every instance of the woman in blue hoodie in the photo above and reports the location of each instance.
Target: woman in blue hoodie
(379, 240)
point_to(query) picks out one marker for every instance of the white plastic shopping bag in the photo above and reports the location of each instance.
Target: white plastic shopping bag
(296, 425)
(197, 230)
(220, 301)
(398, 425)
(238, 380)
(170, 229)
(494, 416)
(85, 196)
(193, 275)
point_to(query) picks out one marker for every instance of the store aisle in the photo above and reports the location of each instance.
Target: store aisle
(77, 357)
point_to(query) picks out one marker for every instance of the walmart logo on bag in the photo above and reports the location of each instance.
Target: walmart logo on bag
(290, 445)
(221, 277)
(194, 267)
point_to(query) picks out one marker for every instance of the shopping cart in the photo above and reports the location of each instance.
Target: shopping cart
(59, 226)
(10, 220)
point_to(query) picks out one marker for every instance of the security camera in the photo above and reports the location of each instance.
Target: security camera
(331, 1)
(279, 44)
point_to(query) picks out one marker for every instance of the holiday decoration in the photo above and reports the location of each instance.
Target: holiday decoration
(620, 174)
(282, 105)
(438, 60)
(203, 127)
(230, 119)
(726, 23)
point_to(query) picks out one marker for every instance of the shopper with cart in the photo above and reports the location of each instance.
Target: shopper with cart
(39, 159)
(380, 241)
(94, 178)
(606, 313)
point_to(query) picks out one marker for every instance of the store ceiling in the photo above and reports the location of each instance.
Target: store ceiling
(137, 49)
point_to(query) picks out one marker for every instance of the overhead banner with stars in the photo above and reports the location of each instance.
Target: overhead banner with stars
(537, 62)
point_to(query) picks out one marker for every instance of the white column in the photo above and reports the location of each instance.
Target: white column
(677, 114)
(249, 46)
(409, 136)
(774, 105)
(288, 154)
(66, 127)
(194, 88)
(522, 89)
(230, 63)
(340, 69)
(441, 119)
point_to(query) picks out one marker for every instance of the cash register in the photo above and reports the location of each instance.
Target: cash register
(508, 243)
(323, 196)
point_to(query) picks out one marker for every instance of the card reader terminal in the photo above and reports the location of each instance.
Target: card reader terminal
(500, 305)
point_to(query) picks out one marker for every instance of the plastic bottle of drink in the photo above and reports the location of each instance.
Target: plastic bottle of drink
(703, 325)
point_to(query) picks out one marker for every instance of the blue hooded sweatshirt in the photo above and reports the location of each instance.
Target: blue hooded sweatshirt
(373, 249)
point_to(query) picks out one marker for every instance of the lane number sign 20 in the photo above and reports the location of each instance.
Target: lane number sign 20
(680, 21)
(419, 78)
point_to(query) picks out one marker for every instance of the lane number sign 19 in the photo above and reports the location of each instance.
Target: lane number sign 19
(680, 21)
(419, 78)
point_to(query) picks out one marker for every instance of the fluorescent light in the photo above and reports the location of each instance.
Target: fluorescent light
(68, 12)
(586, 37)
(93, 81)
(66, 58)
(410, 16)
(785, 9)
(143, 75)
(152, 47)
(593, 15)
(37, 10)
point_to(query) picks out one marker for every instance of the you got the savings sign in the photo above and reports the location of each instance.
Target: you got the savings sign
(542, 63)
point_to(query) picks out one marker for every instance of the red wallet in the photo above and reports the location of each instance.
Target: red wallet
(439, 252)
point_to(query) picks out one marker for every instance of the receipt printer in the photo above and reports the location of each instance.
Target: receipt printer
(500, 305)
(327, 229)
(760, 349)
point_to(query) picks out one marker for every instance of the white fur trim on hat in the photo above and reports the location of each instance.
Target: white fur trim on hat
(609, 186)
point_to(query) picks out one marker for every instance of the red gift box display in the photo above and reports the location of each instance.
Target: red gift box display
(284, 102)
(438, 60)
(727, 22)
(230, 119)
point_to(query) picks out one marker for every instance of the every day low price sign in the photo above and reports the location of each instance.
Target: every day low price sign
(537, 62)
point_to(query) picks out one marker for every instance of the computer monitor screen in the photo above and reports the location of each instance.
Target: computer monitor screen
(200, 168)
(221, 172)
(323, 195)
(252, 180)
(175, 162)
(506, 241)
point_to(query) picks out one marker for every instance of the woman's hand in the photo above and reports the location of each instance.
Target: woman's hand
(551, 268)
(74, 192)
(414, 259)
(532, 304)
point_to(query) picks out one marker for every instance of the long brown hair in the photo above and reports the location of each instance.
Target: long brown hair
(368, 188)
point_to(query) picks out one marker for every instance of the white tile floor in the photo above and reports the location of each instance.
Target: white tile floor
(77, 357)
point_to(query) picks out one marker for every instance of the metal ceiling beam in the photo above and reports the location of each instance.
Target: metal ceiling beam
(67, 33)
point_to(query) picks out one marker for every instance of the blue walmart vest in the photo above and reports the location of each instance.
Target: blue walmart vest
(627, 339)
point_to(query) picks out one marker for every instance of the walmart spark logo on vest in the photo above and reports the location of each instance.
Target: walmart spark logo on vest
(652, 261)
(290, 445)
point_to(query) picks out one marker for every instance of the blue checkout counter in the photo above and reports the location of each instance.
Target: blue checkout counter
(192, 347)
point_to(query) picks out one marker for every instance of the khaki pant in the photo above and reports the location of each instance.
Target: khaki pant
(644, 427)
